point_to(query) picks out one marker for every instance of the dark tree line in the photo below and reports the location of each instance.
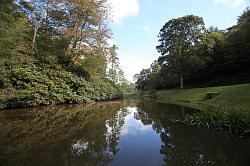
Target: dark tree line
(195, 55)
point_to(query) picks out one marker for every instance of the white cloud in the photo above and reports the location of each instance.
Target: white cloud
(123, 8)
(133, 65)
(232, 3)
(146, 28)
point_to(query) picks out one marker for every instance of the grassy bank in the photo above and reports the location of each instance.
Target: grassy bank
(224, 107)
(235, 97)
(232, 121)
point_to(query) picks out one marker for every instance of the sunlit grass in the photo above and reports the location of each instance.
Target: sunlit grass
(235, 97)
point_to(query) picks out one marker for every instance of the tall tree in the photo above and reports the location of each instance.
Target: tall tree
(238, 44)
(179, 39)
(75, 31)
(14, 29)
(114, 65)
(214, 51)
(121, 77)
(85, 26)
(38, 13)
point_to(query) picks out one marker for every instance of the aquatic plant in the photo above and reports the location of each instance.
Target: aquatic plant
(229, 120)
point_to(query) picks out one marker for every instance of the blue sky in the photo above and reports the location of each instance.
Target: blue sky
(136, 24)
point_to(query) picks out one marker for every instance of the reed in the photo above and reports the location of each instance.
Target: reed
(230, 120)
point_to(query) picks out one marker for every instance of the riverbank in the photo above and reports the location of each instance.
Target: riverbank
(224, 107)
(231, 97)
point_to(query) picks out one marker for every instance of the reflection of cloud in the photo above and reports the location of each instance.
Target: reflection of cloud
(133, 126)
(124, 8)
(79, 147)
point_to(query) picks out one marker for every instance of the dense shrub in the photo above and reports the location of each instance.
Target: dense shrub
(32, 85)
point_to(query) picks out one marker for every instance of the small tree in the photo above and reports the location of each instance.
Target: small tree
(142, 79)
(114, 64)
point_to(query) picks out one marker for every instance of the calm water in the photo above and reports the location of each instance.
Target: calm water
(118, 133)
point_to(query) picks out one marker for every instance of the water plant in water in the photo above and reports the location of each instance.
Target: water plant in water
(229, 120)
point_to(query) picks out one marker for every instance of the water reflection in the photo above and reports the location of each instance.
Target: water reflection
(182, 145)
(133, 126)
(118, 133)
(65, 135)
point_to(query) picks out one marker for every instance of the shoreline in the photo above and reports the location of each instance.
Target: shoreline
(231, 97)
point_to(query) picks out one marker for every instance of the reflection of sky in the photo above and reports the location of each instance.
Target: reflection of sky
(79, 147)
(139, 144)
(133, 126)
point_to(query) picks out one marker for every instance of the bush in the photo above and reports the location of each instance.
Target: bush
(32, 84)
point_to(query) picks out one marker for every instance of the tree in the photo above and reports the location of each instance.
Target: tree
(115, 73)
(85, 26)
(114, 65)
(149, 78)
(142, 79)
(38, 13)
(121, 78)
(179, 39)
(214, 51)
(238, 44)
(70, 31)
(45, 18)
(14, 29)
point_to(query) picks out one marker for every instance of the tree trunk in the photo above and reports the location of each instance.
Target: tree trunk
(46, 20)
(183, 112)
(34, 41)
(181, 81)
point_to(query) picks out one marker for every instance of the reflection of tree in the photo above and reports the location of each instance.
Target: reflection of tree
(62, 135)
(98, 147)
(114, 126)
(182, 145)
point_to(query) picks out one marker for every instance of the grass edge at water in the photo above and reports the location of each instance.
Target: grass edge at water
(230, 120)
(231, 104)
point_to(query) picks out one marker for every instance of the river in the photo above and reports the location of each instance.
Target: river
(129, 133)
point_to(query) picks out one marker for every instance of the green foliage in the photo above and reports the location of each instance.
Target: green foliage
(127, 88)
(238, 43)
(53, 52)
(14, 30)
(180, 40)
(149, 78)
(229, 109)
(142, 79)
(203, 57)
(230, 120)
(235, 97)
(114, 72)
(32, 85)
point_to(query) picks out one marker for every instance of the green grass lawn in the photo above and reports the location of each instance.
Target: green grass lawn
(234, 97)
